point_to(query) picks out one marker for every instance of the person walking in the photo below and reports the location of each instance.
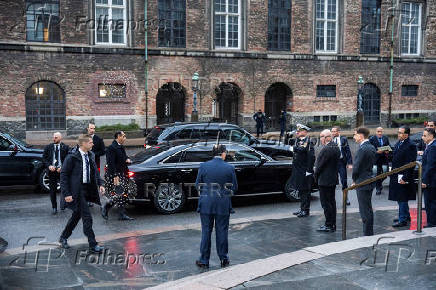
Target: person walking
(429, 176)
(302, 169)
(326, 174)
(215, 205)
(379, 140)
(53, 158)
(362, 170)
(80, 184)
(260, 118)
(117, 174)
(401, 185)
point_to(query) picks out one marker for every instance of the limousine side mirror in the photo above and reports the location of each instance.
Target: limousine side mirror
(262, 161)
(14, 149)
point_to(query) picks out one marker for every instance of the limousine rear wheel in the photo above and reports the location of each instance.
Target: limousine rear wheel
(43, 181)
(291, 193)
(169, 198)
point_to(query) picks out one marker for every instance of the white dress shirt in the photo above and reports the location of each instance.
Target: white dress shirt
(84, 166)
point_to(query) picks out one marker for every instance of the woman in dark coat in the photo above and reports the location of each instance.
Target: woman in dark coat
(404, 153)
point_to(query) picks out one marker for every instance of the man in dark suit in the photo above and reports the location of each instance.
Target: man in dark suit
(216, 182)
(117, 161)
(362, 170)
(53, 158)
(282, 120)
(260, 118)
(326, 173)
(401, 185)
(302, 169)
(80, 184)
(421, 144)
(429, 175)
(345, 159)
(380, 140)
(98, 149)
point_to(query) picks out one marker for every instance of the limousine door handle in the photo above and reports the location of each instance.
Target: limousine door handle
(186, 170)
(238, 169)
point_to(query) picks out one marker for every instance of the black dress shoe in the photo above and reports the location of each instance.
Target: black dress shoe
(396, 220)
(62, 207)
(54, 211)
(125, 217)
(378, 193)
(225, 263)
(399, 224)
(64, 243)
(96, 249)
(104, 212)
(297, 212)
(348, 202)
(201, 265)
(303, 213)
(326, 229)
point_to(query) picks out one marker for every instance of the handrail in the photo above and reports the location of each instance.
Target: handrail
(382, 176)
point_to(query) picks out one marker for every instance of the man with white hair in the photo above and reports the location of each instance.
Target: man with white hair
(326, 174)
(53, 157)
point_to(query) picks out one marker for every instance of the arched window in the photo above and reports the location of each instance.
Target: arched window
(42, 20)
(170, 103)
(370, 30)
(45, 107)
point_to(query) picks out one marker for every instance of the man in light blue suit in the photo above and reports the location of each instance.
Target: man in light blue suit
(216, 182)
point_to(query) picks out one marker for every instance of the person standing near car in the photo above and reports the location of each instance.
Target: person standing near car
(302, 169)
(282, 120)
(362, 170)
(80, 184)
(98, 149)
(260, 118)
(216, 182)
(429, 176)
(401, 185)
(53, 158)
(380, 140)
(326, 173)
(117, 172)
(345, 160)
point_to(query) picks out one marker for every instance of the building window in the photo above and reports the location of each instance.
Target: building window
(110, 18)
(279, 25)
(410, 28)
(227, 23)
(316, 118)
(45, 107)
(333, 118)
(172, 23)
(370, 30)
(326, 91)
(409, 90)
(114, 91)
(42, 21)
(326, 25)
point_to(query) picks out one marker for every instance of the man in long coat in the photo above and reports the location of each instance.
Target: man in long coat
(401, 185)
(302, 169)
(429, 176)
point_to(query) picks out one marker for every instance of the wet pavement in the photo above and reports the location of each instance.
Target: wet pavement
(145, 260)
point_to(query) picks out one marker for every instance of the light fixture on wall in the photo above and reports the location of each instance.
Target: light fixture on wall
(39, 90)
(103, 92)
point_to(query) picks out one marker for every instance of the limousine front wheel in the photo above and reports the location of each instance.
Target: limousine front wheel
(169, 198)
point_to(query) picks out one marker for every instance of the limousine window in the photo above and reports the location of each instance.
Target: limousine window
(242, 155)
(237, 136)
(4, 145)
(197, 156)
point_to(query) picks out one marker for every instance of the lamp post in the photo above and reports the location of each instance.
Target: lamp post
(194, 115)
(359, 116)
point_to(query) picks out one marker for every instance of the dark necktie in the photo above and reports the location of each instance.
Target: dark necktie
(87, 167)
(57, 155)
(381, 141)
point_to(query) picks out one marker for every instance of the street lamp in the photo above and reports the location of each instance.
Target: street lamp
(359, 116)
(195, 79)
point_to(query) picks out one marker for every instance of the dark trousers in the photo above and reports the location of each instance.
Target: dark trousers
(81, 211)
(403, 211)
(364, 197)
(53, 179)
(221, 232)
(379, 183)
(328, 203)
(343, 172)
(430, 208)
(259, 129)
(282, 130)
(305, 200)
(121, 210)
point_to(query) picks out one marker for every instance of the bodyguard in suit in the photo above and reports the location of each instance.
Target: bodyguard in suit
(421, 144)
(53, 158)
(429, 176)
(98, 149)
(302, 169)
(401, 185)
(260, 118)
(80, 184)
(345, 159)
(380, 140)
(282, 120)
(362, 170)
(216, 182)
(326, 173)
(117, 161)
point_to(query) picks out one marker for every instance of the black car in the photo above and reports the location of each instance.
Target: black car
(20, 164)
(185, 133)
(166, 176)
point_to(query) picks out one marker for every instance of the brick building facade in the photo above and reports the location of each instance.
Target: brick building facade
(66, 62)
